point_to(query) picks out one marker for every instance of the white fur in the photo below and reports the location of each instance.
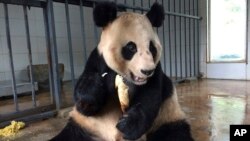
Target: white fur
(126, 28)
(103, 125)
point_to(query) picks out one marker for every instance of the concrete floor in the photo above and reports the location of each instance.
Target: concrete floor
(211, 106)
(43, 98)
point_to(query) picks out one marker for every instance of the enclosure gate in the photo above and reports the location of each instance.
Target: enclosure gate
(179, 36)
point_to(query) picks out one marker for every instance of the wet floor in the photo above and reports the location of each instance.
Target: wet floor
(211, 106)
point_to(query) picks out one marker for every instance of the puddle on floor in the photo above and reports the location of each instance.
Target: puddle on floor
(225, 111)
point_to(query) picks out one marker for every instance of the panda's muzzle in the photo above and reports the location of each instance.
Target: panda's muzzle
(140, 79)
(147, 72)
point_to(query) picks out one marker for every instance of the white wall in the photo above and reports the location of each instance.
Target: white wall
(38, 42)
(77, 39)
(203, 35)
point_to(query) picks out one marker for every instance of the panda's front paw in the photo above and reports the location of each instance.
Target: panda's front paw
(133, 124)
(89, 94)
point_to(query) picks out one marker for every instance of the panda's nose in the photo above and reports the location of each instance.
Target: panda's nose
(147, 72)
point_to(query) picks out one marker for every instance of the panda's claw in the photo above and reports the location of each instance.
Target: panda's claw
(128, 134)
(121, 124)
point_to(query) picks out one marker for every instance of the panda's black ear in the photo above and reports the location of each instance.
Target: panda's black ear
(104, 13)
(156, 15)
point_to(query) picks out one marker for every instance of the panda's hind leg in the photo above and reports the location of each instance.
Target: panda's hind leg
(175, 131)
(72, 132)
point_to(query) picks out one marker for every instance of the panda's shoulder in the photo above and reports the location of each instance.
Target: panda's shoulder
(96, 61)
(161, 81)
(95, 54)
(167, 87)
(94, 58)
(165, 83)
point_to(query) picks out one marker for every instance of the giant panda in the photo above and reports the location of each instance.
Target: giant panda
(128, 47)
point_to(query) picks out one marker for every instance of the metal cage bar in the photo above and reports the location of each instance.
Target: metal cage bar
(194, 50)
(164, 44)
(12, 69)
(95, 31)
(90, 3)
(53, 45)
(170, 50)
(198, 40)
(185, 40)
(29, 55)
(149, 4)
(133, 5)
(180, 32)
(175, 43)
(71, 59)
(247, 27)
(49, 56)
(33, 3)
(189, 41)
(142, 6)
(83, 32)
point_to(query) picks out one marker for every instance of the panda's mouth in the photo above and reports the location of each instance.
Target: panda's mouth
(138, 80)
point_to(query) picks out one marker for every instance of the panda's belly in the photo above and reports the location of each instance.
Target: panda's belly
(170, 111)
(103, 125)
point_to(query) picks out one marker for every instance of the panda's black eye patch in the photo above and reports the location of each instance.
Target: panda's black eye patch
(152, 49)
(129, 50)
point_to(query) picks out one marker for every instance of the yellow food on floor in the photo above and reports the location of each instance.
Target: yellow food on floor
(11, 129)
(122, 92)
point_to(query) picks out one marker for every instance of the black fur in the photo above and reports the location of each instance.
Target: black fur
(135, 120)
(152, 49)
(93, 90)
(156, 15)
(72, 132)
(90, 91)
(129, 50)
(145, 104)
(91, 95)
(175, 131)
(104, 13)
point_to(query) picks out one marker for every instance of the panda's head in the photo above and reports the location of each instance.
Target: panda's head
(128, 43)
